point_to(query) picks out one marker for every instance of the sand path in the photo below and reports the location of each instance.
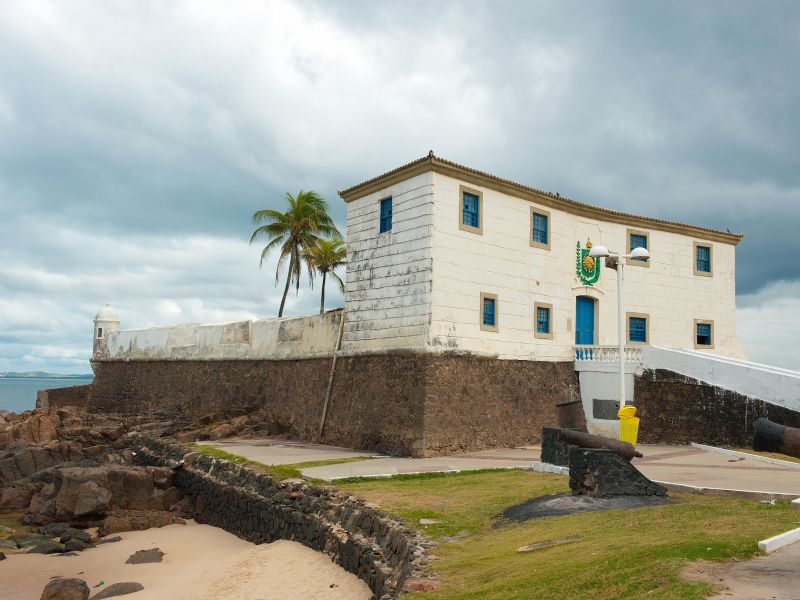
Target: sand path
(201, 563)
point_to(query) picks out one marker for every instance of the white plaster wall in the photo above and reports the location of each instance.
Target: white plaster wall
(770, 384)
(601, 382)
(387, 293)
(501, 261)
(299, 337)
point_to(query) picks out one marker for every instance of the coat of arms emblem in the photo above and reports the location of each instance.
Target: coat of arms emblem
(586, 267)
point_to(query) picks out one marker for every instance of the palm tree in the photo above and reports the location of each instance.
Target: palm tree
(293, 232)
(326, 256)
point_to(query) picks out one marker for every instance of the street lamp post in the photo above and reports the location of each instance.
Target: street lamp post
(615, 261)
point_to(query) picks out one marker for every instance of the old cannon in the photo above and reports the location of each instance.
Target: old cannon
(555, 443)
(773, 437)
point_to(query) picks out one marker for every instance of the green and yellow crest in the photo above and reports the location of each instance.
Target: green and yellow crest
(587, 268)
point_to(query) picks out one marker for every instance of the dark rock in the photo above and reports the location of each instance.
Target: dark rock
(599, 472)
(65, 588)
(36, 519)
(131, 520)
(48, 548)
(74, 545)
(2, 556)
(554, 451)
(82, 535)
(75, 534)
(87, 493)
(110, 540)
(119, 589)
(139, 557)
(28, 540)
(54, 529)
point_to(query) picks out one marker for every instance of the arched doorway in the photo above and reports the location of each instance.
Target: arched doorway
(584, 320)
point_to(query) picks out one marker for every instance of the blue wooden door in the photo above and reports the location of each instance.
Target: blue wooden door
(584, 320)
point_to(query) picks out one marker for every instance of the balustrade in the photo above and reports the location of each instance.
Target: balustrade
(595, 353)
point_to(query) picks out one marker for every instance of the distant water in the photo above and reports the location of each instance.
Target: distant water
(19, 394)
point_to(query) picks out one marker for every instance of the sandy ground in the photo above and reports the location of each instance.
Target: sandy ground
(201, 563)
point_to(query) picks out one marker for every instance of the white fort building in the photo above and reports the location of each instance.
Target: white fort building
(444, 257)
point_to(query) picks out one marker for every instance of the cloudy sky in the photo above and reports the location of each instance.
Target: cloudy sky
(137, 138)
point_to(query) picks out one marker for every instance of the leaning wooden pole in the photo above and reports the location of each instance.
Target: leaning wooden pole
(330, 377)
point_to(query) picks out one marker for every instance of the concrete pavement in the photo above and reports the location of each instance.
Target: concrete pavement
(683, 465)
(283, 452)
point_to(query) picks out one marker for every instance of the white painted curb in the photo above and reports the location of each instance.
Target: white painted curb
(737, 454)
(779, 541)
(712, 491)
(541, 467)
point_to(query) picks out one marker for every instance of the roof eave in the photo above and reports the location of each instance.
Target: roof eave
(475, 177)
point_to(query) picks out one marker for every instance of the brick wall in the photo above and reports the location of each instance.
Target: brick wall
(404, 403)
(675, 409)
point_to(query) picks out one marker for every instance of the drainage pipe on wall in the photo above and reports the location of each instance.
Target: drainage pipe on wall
(330, 377)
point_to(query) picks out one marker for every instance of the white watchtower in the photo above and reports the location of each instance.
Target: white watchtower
(106, 320)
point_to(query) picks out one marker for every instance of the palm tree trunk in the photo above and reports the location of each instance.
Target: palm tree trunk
(322, 298)
(286, 289)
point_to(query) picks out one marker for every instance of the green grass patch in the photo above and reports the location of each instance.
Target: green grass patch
(277, 471)
(633, 553)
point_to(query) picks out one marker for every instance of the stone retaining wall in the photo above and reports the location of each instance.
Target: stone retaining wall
(401, 403)
(380, 550)
(676, 409)
(75, 395)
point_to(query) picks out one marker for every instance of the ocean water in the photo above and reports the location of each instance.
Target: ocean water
(18, 395)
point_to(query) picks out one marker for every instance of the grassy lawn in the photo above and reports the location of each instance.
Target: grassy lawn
(277, 471)
(623, 554)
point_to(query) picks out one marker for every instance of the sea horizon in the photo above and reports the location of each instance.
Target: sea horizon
(18, 394)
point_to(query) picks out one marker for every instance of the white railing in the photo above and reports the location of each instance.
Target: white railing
(609, 354)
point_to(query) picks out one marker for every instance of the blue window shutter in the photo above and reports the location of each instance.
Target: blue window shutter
(638, 241)
(703, 259)
(637, 329)
(541, 232)
(471, 210)
(386, 215)
(542, 319)
(704, 334)
(488, 312)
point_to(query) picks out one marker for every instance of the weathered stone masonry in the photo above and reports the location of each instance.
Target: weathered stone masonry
(677, 409)
(380, 550)
(400, 403)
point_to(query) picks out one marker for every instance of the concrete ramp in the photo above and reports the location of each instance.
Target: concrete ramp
(773, 385)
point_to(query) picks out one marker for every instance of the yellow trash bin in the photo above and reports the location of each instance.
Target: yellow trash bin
(628, 424)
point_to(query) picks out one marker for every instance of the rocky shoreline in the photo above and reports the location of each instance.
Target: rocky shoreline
(78, 478)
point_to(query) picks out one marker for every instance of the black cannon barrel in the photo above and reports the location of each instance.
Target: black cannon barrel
(769, 436)
(587, 440)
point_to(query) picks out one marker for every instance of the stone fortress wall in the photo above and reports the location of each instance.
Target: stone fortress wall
(274, 339)
(398, 403)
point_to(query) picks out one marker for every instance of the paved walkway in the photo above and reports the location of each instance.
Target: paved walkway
(697, 467)
(675, 464)
(765, 577)
(284, 452)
